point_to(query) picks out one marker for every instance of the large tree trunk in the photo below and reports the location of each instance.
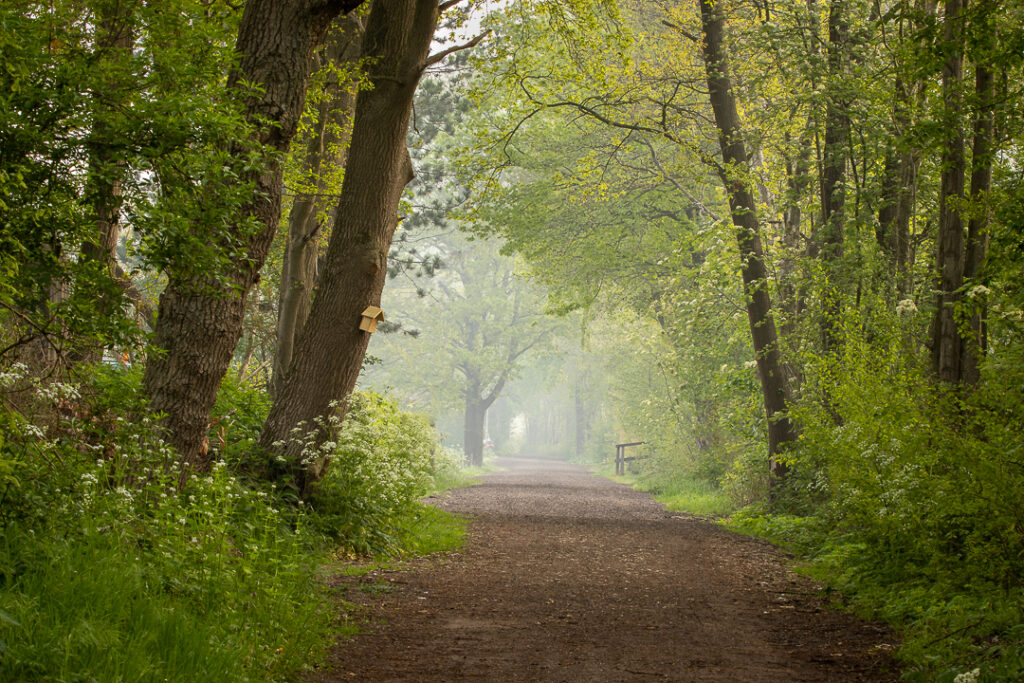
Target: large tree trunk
(331, 132)
(946, 340)
(200, 317)
(735, 174)
(330, 349)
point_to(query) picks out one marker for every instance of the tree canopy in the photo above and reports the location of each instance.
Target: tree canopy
(780, 242)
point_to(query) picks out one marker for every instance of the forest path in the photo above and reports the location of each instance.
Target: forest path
(570, 577)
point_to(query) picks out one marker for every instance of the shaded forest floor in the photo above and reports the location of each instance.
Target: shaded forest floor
(570, 577)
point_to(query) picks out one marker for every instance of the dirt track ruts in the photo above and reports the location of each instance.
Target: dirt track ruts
(570, 577)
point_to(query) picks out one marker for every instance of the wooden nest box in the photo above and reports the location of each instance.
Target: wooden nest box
(371, 316)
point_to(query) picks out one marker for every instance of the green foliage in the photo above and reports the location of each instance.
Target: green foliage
(911, 513)
(381, 464)
(907, 496)
(112, 568)
(119, 105)
(680, 490)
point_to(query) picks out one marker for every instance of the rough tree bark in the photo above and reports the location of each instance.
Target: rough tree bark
(330, 349)
(331, 130)
(200, 317)
(735, 175)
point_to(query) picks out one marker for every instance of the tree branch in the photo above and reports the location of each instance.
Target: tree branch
(439, 56)
(682, 31)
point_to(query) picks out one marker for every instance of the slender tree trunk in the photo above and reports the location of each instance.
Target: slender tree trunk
(580, 412)
(200, 317)
(798, 180)
(107, 166)
(735, 175)
(903, 160)
(977, 226)
(947, 343)
(897, 207)
(833, 178)
(330, 349)
(107, 163)
(791, 296)
(473, 428)
(332, 131)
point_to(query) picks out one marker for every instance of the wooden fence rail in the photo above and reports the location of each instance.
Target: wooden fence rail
(620, 455)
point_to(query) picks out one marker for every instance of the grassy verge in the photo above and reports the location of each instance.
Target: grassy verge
(113, 569)
(955, 625)
(678, 493)
(195, 598)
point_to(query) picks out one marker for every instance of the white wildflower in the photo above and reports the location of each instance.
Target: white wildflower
(34, 431)
(906, 307)
(968, 677)
(57, 391)
(978, 291)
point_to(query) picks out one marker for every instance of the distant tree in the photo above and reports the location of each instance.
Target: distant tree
(476, 323)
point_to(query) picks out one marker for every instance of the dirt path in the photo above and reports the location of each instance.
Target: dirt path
(570, 577)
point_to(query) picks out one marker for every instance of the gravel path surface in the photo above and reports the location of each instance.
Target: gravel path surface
(571, 577)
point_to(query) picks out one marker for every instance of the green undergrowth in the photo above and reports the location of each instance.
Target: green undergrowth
(950, 624)
(678, 491)
(111, 569)
(907, 499)
(457, 477)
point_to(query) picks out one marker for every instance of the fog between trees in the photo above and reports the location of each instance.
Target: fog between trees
(780, 243)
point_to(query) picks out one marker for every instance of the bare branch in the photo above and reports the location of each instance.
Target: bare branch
(682, 31)
(435, 58)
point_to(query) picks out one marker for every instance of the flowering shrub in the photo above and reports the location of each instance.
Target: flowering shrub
(381, 464)
(112, 569)
(908, 498)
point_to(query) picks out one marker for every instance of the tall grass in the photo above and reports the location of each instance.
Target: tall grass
(111, 571)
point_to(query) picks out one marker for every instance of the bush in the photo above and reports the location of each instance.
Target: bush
(382, 463)
(910, 500)
(109, 570)
(112, 569)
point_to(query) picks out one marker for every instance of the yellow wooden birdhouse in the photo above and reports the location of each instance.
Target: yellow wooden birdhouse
(371, 316)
